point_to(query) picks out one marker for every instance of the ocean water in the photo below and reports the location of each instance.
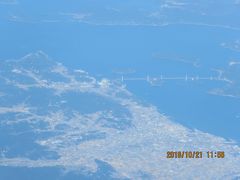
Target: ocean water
(113, 51)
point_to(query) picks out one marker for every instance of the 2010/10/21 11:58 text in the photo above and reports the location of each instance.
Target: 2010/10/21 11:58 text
(195, 154)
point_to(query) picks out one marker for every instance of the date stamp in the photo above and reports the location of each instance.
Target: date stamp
(195, 154)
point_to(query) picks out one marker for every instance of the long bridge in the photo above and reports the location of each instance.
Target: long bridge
(159, 79)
